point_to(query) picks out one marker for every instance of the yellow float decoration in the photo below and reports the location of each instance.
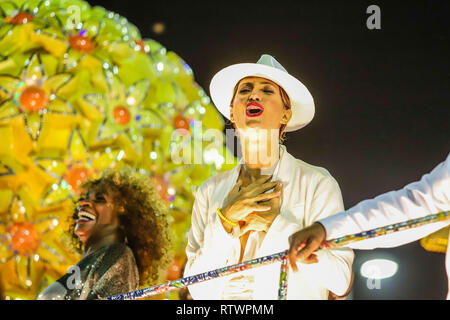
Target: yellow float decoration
(81, 91)
(437, 241)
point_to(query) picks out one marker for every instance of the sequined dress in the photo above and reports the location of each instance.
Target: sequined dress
(108, 271)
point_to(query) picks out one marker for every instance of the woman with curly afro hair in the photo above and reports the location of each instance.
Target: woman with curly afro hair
(121, 228)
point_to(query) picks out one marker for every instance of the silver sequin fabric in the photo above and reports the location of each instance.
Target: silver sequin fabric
(109, 271)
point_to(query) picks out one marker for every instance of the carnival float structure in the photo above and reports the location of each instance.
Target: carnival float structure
(81, 91)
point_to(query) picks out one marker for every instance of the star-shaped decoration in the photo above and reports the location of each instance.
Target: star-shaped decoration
(122, 110)
(34, 95)
(26, 240)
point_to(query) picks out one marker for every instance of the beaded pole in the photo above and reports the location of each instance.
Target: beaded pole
(187, 281)
(280, 256)
(396, 227)
(284, 272)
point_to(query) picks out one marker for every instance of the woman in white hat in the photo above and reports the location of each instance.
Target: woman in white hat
(251, 210)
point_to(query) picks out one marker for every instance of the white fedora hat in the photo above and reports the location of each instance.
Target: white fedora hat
(223, 83)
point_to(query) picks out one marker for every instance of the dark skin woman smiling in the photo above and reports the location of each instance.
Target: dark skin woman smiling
(120, 226)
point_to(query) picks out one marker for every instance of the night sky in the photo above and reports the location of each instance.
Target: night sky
(382, 96)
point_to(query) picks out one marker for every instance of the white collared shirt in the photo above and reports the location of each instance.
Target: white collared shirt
(309, 193)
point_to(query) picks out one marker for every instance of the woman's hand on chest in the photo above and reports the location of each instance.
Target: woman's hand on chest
(262, 220)
(251, 199)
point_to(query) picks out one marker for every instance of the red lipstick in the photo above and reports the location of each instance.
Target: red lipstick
(254, 109)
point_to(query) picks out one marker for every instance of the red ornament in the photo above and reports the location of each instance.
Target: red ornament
(141, 45)
(161, 187)
(75, 177)
(121, 115)
(180, 122)
(20, 18)
(81, 44)
(24, 237)
(33, 98)
(174, 271)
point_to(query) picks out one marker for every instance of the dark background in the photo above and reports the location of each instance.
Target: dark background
(382, 96)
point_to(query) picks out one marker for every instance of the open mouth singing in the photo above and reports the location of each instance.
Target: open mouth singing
(254, 109)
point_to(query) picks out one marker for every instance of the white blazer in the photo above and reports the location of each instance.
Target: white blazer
(310, 193)
(418, 199)
(428, 196)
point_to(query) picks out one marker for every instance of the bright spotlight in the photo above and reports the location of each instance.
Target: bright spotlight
(379, 269)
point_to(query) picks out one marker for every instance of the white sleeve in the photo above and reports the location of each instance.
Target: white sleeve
(334, 269)
(428, 196)
(208, 247)
(447, 265)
